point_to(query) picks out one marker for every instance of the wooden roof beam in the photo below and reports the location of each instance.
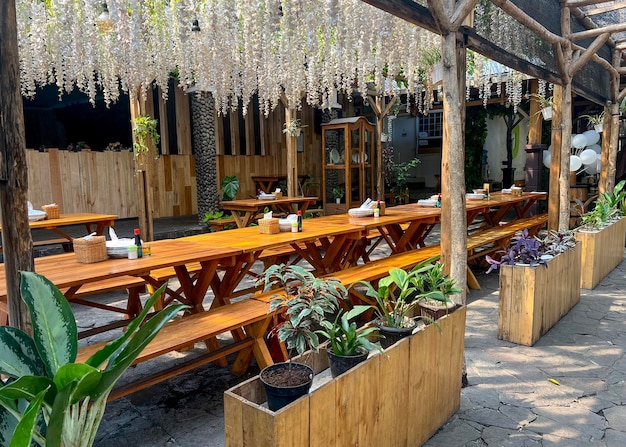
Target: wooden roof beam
(587, 22)
(588, 53)
(616, 28)
(603, 9)
(578, 3)
(407, 10)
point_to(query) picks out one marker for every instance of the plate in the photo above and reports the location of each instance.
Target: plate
(506, 191)
(475, 196)
(35, 215)
(427, 202)
(264, 196)
(360, 212)
(334, 156)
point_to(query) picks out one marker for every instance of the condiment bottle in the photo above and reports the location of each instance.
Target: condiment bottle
(138, 243)
(377, 209)
(299, 221)
(438, 204)
(132, 252)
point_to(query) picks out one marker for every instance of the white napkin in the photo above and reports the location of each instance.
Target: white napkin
(267, 215)
(366, 204)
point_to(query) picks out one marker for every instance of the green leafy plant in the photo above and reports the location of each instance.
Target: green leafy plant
(307, 302)
(400, 175)
(49, 399)
(144, 128)
(556, 242)
(544, 101)
(338, 192)
(344, 336)
(230, 186)
(616, 198)
(293, 128)
(594, 120)
(399, 292)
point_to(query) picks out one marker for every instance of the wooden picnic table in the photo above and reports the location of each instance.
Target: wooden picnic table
(93, 222)
(268, 183)
(336, 242)
(245, 210)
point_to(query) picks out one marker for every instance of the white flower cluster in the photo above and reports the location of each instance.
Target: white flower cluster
(295, 48)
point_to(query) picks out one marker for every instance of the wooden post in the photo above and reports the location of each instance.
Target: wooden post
(138, 107)
(536, 121)
(377, 102)
(292, 156)
(17, 242)
(453, 207)
(610, 142)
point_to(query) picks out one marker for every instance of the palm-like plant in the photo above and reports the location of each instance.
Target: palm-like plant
(49, 399)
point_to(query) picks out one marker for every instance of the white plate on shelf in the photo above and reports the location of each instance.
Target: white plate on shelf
(427, 202)
(334, 156)
(471, 196)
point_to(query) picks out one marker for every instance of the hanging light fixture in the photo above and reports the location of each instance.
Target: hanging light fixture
(195, 26)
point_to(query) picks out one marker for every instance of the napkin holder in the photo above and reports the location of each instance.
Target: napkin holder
(90, 250)
(269, 226)
(52, 210)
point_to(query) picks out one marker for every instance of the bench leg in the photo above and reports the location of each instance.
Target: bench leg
(262, 354)
(472, 282)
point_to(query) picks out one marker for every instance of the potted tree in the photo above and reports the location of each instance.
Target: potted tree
(48, 399)
(595, 121)
(347, 344)
(306, 303)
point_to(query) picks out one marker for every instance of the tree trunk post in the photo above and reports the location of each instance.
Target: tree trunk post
(144, 106)
(292, 156)
(17, 242)
(453, 209)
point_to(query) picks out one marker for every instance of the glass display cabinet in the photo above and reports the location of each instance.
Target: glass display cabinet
(348, 154)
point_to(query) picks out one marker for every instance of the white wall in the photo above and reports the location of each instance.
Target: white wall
(496, 148)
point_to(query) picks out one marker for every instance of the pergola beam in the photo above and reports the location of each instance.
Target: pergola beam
(579, 3)
(616, 28)
(603, 9)
(588, 53)
(407, 10)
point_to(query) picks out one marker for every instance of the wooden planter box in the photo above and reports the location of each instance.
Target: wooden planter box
(400, 398)
(602, 251)
(533, 299)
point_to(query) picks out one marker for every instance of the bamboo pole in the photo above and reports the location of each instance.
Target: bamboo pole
(17, 242)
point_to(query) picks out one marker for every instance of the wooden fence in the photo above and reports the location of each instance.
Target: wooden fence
(104, 182)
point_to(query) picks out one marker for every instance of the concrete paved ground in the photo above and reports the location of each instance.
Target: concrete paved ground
(509, 402)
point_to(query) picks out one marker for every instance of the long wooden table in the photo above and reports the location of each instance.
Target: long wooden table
(93, 222)
(337, 243)
(246, 209)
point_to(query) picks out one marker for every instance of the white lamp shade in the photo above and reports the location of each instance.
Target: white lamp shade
(575, 163)
(588, 156)
(547, 157)
(592, 137)
(579, 141)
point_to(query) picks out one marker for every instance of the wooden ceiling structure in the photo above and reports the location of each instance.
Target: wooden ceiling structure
(578, 45)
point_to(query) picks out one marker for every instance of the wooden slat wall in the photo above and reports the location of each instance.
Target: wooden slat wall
(274, 148)
(104, 182)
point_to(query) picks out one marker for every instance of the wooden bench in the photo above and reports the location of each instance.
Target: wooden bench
(252, 315)
(134, 285)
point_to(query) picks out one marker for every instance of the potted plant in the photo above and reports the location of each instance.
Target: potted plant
(602, 235)
(144, 129)
(396, 296)
(400, 174)
(595, 121)
(48, 399)
(435, 288)
(524, 250)
(539, 283)
(306, 303)
(546, 104)
(347, 344)
(293, 128)
(338, 194)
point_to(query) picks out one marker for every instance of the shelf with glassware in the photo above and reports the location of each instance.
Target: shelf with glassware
(348, 154)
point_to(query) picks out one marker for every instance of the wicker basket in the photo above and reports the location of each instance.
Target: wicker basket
(279, 195)
(90, 250)
(52, 211)
(269, 226)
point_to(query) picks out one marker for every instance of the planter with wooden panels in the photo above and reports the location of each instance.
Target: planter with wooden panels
(399, 398)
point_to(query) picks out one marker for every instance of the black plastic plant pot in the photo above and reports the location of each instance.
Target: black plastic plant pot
(339, 364)
(392, 334)
(285, 382)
